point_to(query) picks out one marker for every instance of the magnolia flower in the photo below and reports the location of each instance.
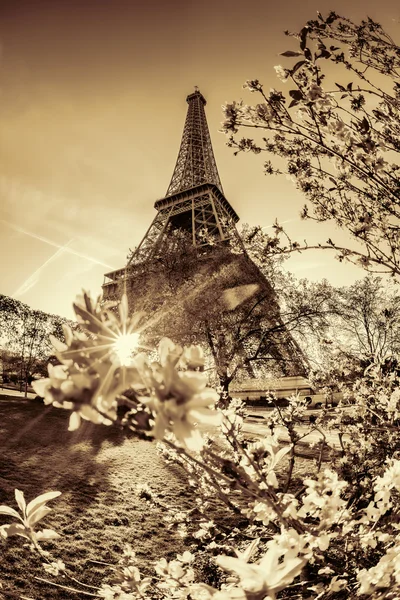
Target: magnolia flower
(383, 574)
(94, 370)
(182, 401)
(205, 531)
(193, 357)
(176, 573)
(178, 400)
(253, 85)
(202, 591)
(337, 584)
(263, 512)
(322, 498)
(266, 577)
(113, 592)
(315, 91)
(90, 394)
(271, 446)
(291, 544)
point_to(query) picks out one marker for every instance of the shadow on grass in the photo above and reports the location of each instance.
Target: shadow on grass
(40, 454)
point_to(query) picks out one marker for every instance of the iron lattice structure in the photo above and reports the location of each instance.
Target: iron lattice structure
(194, 208)
(195, 164)
(195, 220)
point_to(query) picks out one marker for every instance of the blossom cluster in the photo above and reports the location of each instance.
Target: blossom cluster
(100, 369)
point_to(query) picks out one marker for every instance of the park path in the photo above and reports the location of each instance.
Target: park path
(16, 394)
(261, 430)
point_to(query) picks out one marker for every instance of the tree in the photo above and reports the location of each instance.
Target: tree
(368, 320)
(221, 300)
(338, 141)
(10, 365)
(306, 307)
(251, 318)
(26, 337)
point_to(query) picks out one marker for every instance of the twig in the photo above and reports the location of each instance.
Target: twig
(320, 455)
(100, 562)
(290, 470)
(69, 589)
(340, 436)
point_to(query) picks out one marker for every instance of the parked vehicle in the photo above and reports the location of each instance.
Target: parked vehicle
(323, 400)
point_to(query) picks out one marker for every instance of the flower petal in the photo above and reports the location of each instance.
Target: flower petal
(57, 344)
(41, 386)
(74, 422)
(204, 415)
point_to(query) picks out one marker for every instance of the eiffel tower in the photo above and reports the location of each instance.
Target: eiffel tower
(194, 236)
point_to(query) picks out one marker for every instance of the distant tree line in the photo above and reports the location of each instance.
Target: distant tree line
(341, 330)
(25, 347)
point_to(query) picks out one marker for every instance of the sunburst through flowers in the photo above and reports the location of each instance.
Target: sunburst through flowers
(96, 365)
(124, 347)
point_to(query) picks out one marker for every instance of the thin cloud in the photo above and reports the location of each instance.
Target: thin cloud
(34, 278)
(55, 245)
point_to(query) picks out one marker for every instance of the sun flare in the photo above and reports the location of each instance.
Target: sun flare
(124, 347)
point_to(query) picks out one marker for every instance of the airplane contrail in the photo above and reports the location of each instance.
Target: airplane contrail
(34, 278)
(51, 243)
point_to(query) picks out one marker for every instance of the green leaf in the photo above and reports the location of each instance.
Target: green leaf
(19, 496)
(36, 516)
(332, 17)
(14, 529)
(291, 53)
(297, 66)
(40, 501)
(295, 94)
(7, 510)
(281, 453)
(303, 37)
(364, 126)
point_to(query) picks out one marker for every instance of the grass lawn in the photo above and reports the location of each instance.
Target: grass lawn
(97, 470)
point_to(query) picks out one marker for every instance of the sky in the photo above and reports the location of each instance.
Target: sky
(92, 107)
